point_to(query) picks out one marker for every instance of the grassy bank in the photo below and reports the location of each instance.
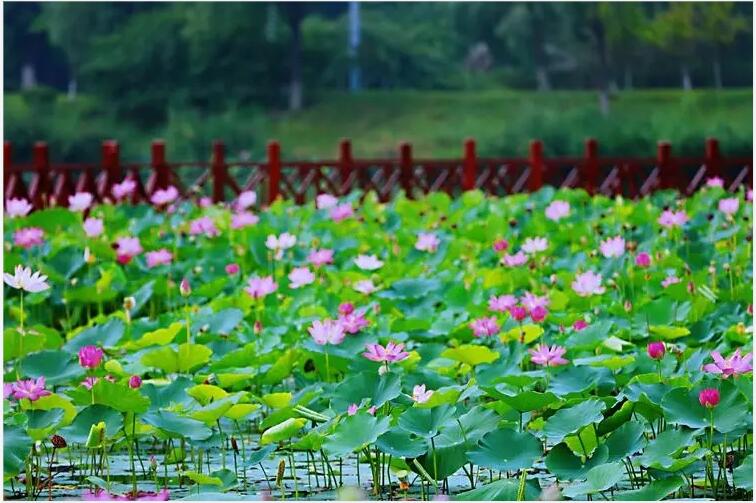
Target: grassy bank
(435, 122)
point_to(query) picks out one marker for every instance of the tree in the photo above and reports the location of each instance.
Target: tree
(535, 35)
(623, 23)
(64, 23)
(718, 24)
(673, 30)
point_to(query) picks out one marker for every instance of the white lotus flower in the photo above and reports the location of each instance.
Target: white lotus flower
(23, 279)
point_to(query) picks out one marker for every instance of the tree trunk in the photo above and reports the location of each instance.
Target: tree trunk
(28, 76)
(628, 77)
(542, 79)
(602, 72)
(687, 83)
(72, 88)
(296, 12)
(539, 55)
(717, 68)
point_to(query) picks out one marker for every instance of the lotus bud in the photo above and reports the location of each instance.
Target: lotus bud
(709, 397)
(628, 306)
(184, 288)
(129, 303)
(58, 442)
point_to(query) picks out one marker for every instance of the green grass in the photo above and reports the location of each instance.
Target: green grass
(435, 122)
(503, 121)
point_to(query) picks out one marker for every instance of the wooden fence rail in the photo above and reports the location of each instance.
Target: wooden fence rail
(45, 183)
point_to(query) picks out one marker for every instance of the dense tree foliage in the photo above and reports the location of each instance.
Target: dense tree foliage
(152, 65)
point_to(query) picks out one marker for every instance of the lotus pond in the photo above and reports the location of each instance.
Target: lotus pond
(541, 346)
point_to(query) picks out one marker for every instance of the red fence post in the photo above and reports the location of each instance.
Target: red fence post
(274, 171)
(664, 163)
(405, 168)
(535, 181)
(591, 165)
(713, 158)
(112, 167)
(470, 166)
(40, 186)
(219, 171)
(347, 165)
(159, 167)
(7, 158)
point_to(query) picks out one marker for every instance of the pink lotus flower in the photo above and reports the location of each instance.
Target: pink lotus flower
(23, 279)
(731, 366)
(341, 212)
(320, 257)
(30, 389)
(163, 197)
(17, 207)
(93, 227)
(557, 210)
(531, 301)
(243, 219)
(346, 308)
(365, 287)
(327, 332)
(203, 225)
(368, 262)
(579, 325)
(123, 189)
(588, 283)
(299, 277)
(643, 260)
(714, 181)
(159, 257)
(81, 201)
(709, 397)
(534, 245)
(353, 322)
(232, 269)
(502, 303)
(670, 280)
(500, 245)
(28, 237)
(518, 313)
(420, 395)
(352, 409)
(326, 201)
(135, 382)
(613, 247)
(656, 350)
(90, 357)
(391, 353)
(671, 219)
(484, 327)
(245, 200)
(548, 356)
(729, 206)
(538, 314)
(127, 248)
(515, 260)
(258, 287)
(427, 242)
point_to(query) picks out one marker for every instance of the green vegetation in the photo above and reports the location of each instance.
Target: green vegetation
(436, 122)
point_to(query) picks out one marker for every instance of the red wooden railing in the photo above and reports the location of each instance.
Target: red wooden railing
(45, 183)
